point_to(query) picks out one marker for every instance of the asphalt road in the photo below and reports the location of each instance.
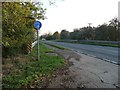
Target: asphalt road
(104, 53)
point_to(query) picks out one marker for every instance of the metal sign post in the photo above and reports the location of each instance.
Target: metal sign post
(37, 26)
(38, 51)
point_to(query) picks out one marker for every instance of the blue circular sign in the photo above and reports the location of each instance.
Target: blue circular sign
(37, 25)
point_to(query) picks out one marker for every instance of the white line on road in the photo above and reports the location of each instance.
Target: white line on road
(78, 52)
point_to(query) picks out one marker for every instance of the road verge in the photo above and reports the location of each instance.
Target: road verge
(109, 44)
(24, 71)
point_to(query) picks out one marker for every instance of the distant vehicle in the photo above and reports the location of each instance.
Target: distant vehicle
(43, 39)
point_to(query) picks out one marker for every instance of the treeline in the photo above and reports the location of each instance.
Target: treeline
(107, 32)
(17, 25)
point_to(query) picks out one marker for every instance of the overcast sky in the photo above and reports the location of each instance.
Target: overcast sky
(70, 14)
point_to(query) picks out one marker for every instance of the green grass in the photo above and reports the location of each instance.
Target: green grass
(31, 69)
(56, 46)
(100, 44)
(92, 43)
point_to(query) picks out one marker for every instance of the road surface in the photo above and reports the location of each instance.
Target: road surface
(105, 53)
(84, 71)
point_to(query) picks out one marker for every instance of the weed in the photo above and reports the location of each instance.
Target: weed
(31, 69)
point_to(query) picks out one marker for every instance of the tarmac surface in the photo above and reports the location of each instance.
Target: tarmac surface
(85, 72)
(102, 52)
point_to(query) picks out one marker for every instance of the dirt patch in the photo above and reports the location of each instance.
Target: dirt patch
(52, 54)
(68, 54)
(83, 71)
(45, 80)
(65, 78)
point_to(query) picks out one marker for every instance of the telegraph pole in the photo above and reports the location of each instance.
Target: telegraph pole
(89, 24)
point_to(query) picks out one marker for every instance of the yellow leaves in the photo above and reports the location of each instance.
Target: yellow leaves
(6, 44)
(13, 30)
(17, 23)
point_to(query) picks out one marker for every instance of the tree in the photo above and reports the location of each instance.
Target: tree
(101, 32)
(115, 24)
(49, 36)
(75, 34)
(106, 32)
(64, 34)
(82, 33)
(17, 25)
(56, 35)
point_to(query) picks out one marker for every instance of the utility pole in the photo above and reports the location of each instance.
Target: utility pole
(89, 24)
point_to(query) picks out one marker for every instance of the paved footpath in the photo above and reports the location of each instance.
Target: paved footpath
(85, 72)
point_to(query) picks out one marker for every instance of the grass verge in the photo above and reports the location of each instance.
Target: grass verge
(56, 46)
(100, 44)
(93, 43)
(23, 70)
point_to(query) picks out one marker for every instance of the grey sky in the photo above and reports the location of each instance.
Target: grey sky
(70, 14)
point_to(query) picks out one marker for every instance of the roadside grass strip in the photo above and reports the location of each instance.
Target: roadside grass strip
(57, 46)
(91, 43)
(28, 68)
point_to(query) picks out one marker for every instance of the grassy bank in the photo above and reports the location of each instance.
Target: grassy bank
(22, 70)
(92, 43)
